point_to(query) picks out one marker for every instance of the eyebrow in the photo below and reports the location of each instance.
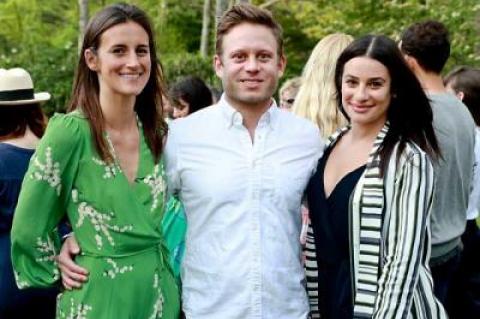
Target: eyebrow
(378, 78)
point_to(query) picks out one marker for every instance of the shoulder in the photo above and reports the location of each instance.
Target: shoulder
(66, 129)
(205, 117)
(299, 127)
(413, 155)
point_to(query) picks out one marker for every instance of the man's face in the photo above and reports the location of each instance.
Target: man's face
(249, 66)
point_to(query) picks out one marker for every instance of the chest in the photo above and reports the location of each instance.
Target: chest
(126, 150)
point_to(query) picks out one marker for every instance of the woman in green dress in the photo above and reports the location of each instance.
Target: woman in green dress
(100, 165)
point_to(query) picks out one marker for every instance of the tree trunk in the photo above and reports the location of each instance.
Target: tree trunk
(82, 21)
(220, 8)
(205, 28)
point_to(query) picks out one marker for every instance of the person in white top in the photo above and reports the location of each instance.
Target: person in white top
(240, 168)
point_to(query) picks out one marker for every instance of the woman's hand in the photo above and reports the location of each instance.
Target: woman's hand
(73, 276)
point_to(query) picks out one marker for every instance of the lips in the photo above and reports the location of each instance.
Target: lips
(361, 108)
(131, 76)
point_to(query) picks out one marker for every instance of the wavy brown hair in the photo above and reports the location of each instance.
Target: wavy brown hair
(148, 104)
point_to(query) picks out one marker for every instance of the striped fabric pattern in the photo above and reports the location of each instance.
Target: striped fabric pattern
(389, 233)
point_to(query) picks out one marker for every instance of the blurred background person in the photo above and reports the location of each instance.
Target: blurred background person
(464, 297)
(288, 91)
(426, 49)
(22, 124)
(189, 95)
(316, 97)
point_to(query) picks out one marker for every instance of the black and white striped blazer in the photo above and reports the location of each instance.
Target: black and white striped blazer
(389, 238)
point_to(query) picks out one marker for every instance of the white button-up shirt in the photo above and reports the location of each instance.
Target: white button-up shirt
(242, 202)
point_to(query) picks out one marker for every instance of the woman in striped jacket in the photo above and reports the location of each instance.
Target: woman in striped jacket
(370, 198)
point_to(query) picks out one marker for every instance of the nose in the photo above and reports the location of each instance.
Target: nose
(360, 93)
(252, 64)
(133, 60)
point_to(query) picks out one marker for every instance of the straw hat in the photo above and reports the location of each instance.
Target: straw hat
(16, 87)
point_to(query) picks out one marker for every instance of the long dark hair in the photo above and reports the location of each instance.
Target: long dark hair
(148, 104)
(14, 120)
(192, 90)
(409, 114)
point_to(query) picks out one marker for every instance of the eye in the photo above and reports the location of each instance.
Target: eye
(376, 84)
(239, 57)
(264, 57)
(118, 51)
(350, 82)
(143, 51)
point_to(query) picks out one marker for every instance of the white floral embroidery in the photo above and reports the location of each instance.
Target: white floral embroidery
(111, 169)
(157, 184)
(47, 251)
(101, 223)
(158, 306)
(79, 311)
(112, 273)
(49, 172)
(75, 195)
(20, 283)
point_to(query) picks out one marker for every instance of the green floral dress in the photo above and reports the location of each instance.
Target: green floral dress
(117, 225)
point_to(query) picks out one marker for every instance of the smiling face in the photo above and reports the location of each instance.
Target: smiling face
(122, 60)
(249, 65)
(366, 92)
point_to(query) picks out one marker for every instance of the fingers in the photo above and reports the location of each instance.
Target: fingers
(73, 276)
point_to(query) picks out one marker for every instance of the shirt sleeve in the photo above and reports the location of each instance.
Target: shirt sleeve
(406, 237)
(474, 199)
(171, 160)
(42, 203)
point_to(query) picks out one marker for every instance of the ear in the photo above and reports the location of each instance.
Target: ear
(91, 59)
(282, 64)
(460, 95)
(411, 62)
(218, 65)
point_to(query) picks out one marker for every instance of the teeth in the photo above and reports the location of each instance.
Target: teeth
(130, 76)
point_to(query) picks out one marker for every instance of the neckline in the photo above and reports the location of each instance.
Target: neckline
(340, 181)
(140, 151)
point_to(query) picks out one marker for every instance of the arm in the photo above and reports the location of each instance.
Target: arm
(405, 234)
(42, 203)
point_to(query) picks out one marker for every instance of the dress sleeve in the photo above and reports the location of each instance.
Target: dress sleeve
(407, 237)
(42, 203)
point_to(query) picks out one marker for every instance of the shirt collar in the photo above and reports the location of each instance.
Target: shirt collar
(232, 117)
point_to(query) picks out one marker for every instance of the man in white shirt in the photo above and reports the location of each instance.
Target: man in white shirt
(240, 168)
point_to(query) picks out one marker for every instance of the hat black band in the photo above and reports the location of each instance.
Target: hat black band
(17, 95)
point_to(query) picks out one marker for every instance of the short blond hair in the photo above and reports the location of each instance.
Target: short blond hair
(316, 100)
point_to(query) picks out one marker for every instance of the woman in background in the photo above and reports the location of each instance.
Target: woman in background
(22, 124)
(189, 95)
(315, 100)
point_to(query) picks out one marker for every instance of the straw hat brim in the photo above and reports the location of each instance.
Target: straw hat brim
(38, 98)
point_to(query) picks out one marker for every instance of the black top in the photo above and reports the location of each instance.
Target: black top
(329, 218)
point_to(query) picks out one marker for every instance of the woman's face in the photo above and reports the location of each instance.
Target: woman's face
(180, 109)
(122, 60)
(366, 92)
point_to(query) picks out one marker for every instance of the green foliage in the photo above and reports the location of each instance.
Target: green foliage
(177, 66)
(317, 18)
(41, 36)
